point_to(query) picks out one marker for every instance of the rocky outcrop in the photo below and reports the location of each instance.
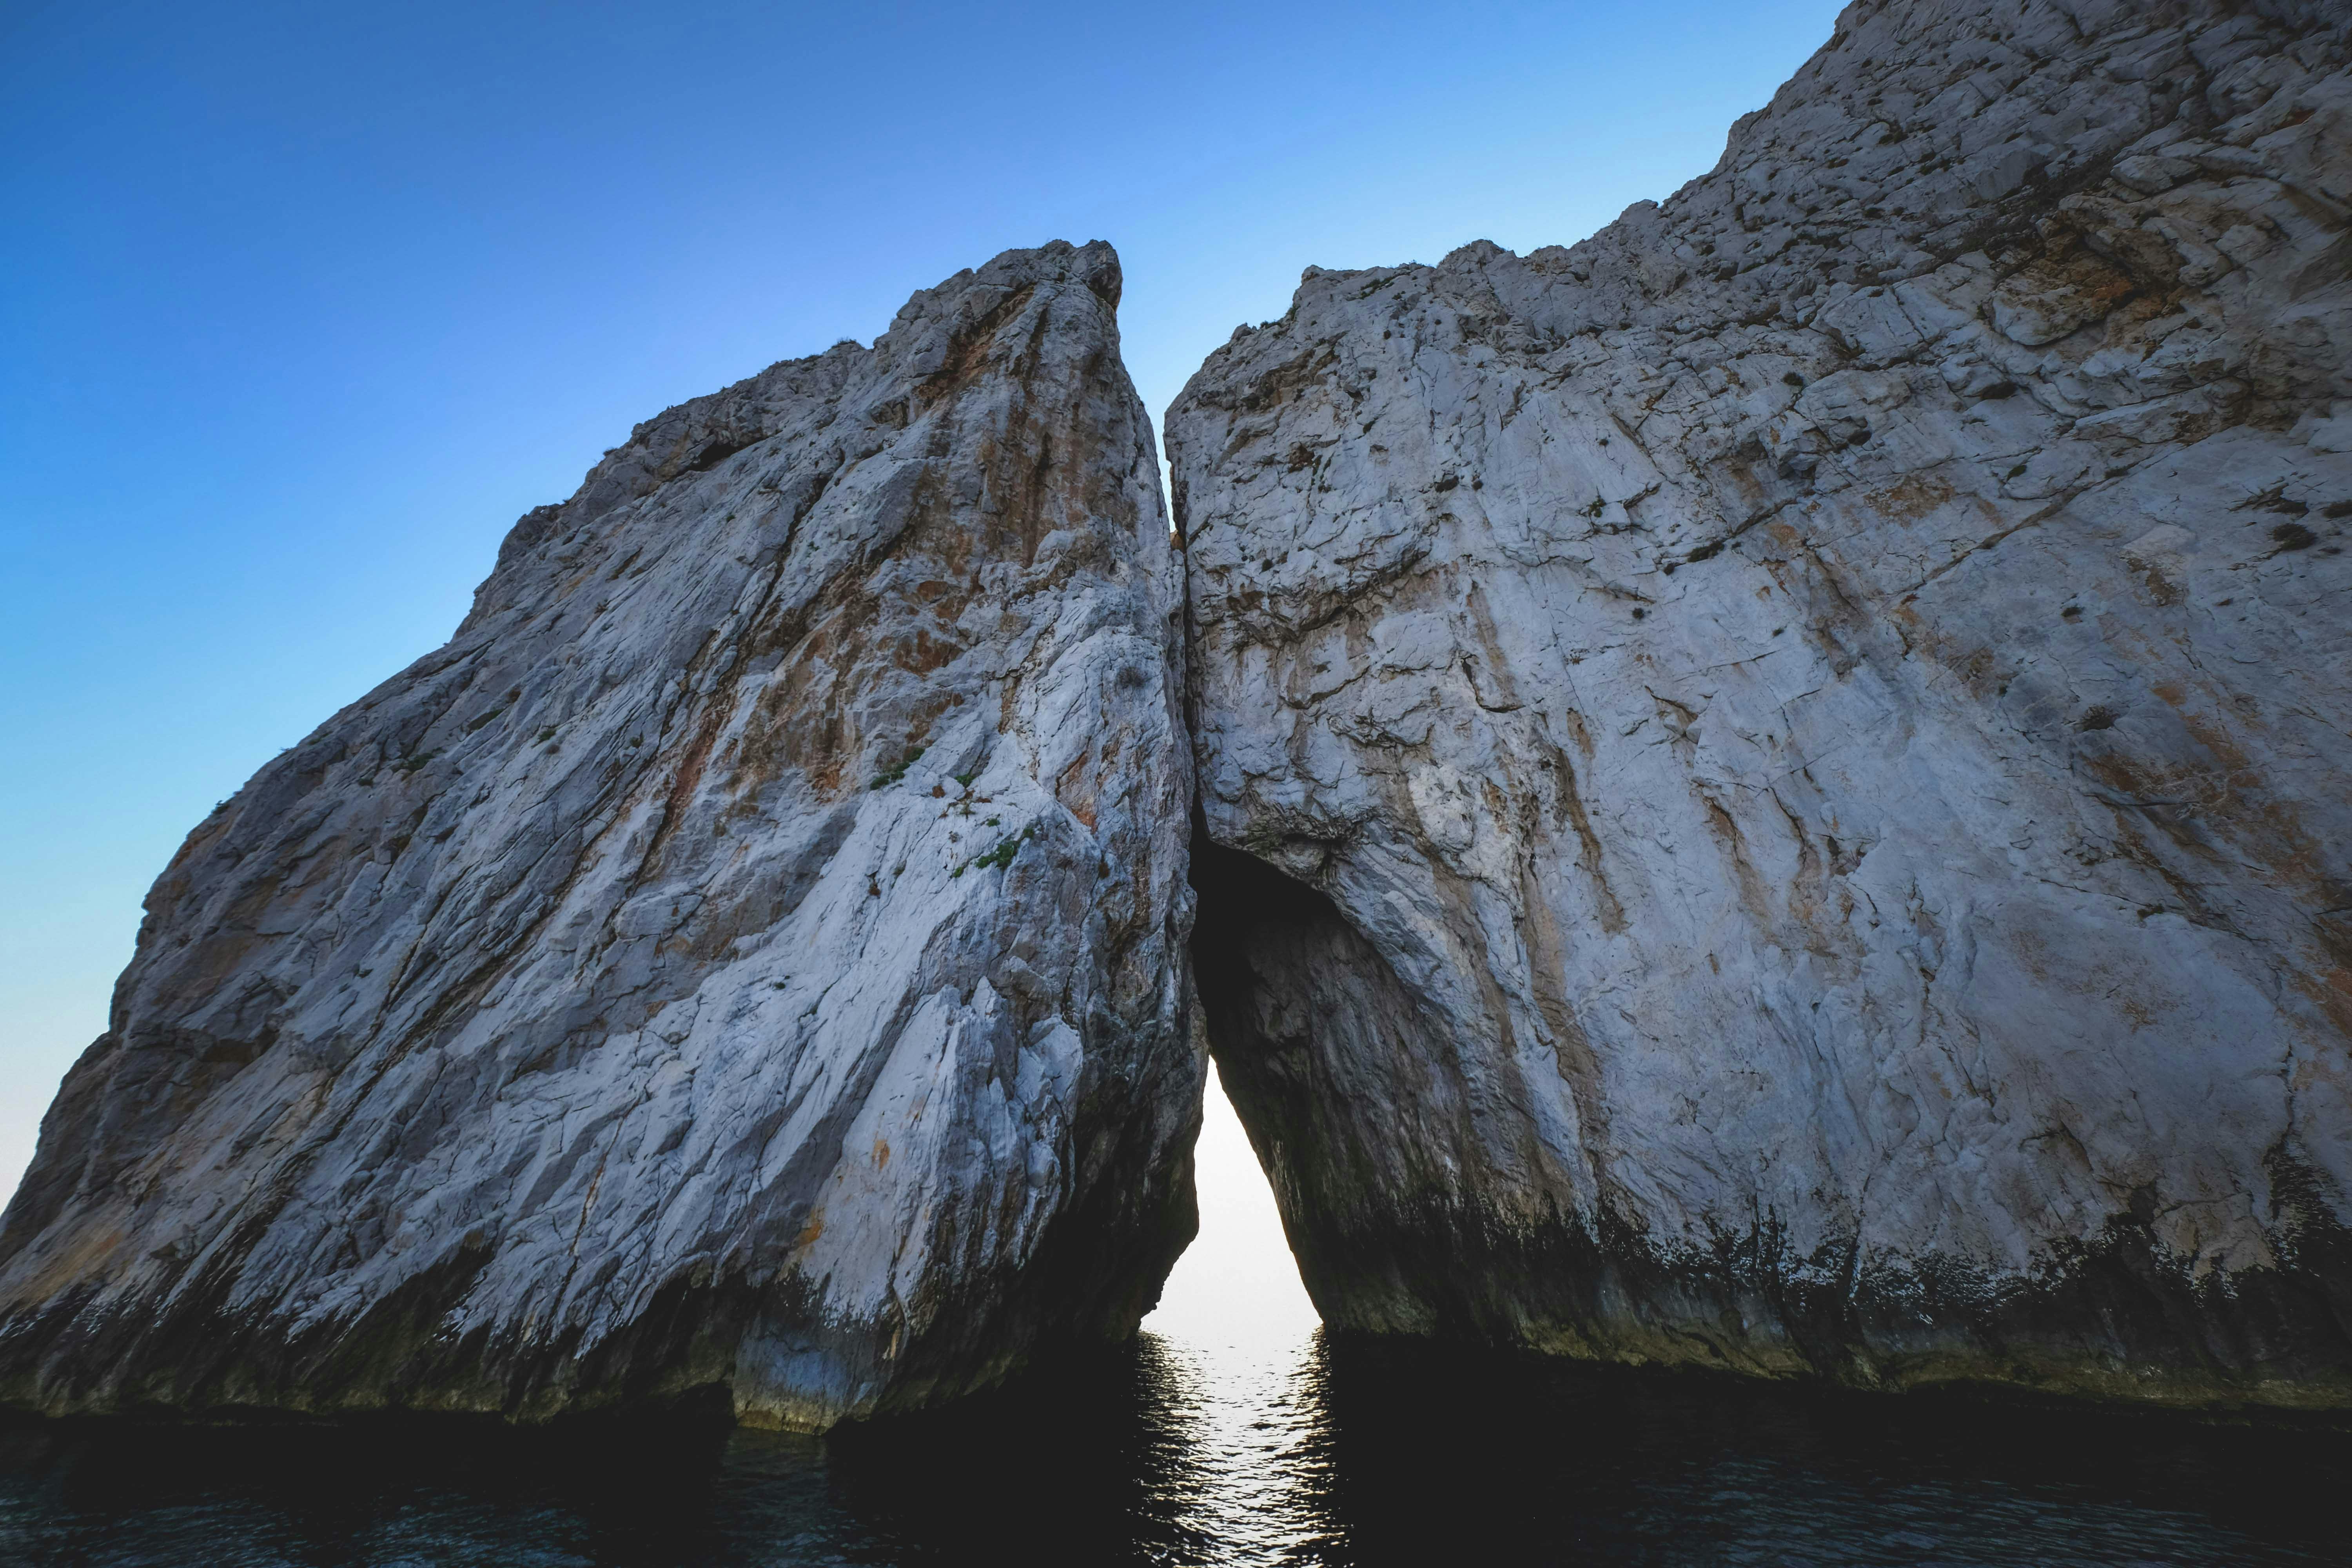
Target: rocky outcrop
(1774, 783)
(749, 956)
(1772, 794)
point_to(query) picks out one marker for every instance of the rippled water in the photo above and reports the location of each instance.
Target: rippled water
(1298, 1451)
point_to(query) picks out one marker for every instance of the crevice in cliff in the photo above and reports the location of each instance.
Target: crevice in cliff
(1248, 912)
(1326, 1054)
(1237, 1282)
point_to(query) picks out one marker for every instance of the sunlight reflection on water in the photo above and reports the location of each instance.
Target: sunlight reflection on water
(1177, 1452)
(1249, 1470)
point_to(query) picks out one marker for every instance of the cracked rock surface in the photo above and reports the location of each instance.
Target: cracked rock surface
(1775, 782)
(749, 956)
(1772, 794)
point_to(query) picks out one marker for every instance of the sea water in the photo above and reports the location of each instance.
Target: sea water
(1218, 1450)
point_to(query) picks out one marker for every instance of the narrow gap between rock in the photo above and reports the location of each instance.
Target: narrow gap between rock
(1239, 1281)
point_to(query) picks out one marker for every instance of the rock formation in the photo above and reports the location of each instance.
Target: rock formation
(749, 956)
(1773, 794)
(1775, 783)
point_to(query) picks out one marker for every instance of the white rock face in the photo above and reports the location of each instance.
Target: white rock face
(1774, 793)
(749, 956)
(1784, 773)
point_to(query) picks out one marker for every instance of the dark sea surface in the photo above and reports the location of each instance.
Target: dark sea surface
(1185, 1452)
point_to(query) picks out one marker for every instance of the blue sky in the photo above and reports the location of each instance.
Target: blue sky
(305, 304)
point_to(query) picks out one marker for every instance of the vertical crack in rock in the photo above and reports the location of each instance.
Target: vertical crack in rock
(1773, 782)
(750, 956)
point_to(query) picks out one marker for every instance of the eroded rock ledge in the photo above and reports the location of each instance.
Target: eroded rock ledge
(750, 956)
(1777, 780)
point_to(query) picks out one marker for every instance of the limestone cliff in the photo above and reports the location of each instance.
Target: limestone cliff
(749, 956)
(1777, 783)
(1773, 794)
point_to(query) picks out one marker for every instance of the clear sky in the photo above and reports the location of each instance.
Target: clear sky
(305, 304)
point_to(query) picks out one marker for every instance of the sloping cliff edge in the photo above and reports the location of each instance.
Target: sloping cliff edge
(749, 957)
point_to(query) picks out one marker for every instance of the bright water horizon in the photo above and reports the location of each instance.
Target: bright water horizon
(1237, 1285)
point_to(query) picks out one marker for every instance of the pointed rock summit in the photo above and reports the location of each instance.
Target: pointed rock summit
(750, 956)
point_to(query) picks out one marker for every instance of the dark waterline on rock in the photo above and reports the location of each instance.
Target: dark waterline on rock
(1190, 1453)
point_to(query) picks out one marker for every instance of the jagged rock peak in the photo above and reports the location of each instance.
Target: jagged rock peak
(1775, 779)
(749, 957)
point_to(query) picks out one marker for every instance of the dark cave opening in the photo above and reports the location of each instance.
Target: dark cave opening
(1395, 1151)
(1244, 908)
(1322, 1051)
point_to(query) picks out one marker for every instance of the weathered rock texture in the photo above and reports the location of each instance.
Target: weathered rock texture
(1778, 777)
(750, 955)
